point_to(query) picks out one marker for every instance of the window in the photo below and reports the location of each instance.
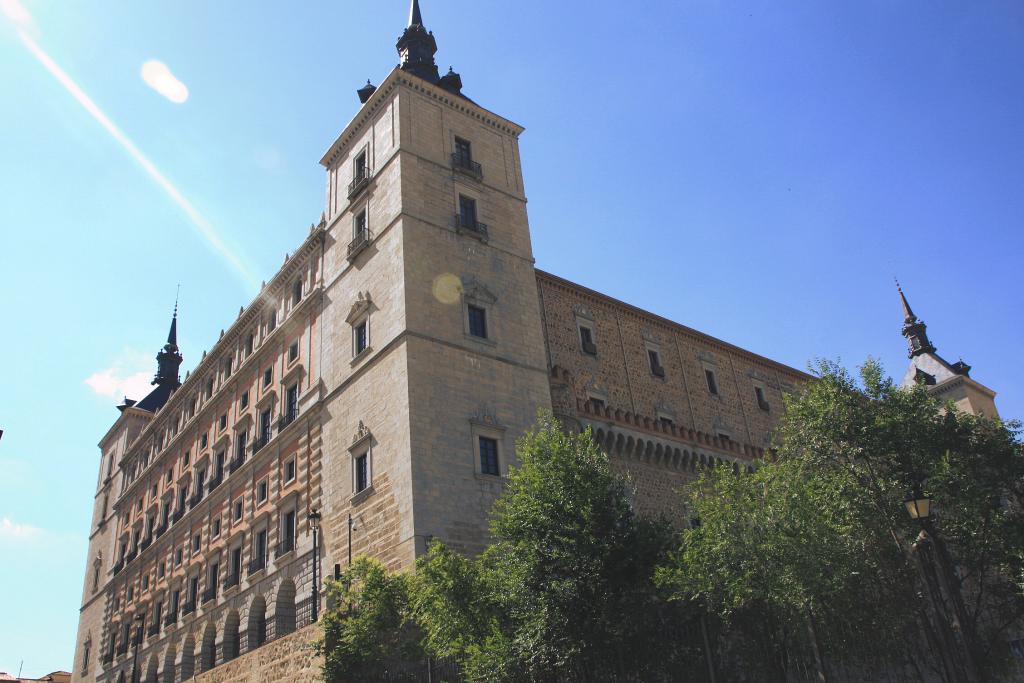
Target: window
(227, 367)
(223, 421)
(293, 351)
(170, 475)
(250, 343)
(185, 458)
(243, 401)
(288, 531)
(85, 656)
(268, 377)
(240, 442)
(489, 456)
(666, 423)
(259, 549)
(131, 594)
(655, 361)
(145, 582)
(177, 557)
(597, 403)
(587, 340)
(477, 321)
(196, 543)
(359, 169)
(209, 388)
(762, 402)
(265, 425)
(709, 375)
(291, 403)
(193, 590)
(467, 211)
(203, 440)
(360, 339)
(96, 576)
(359, 226)
(272, 321)
(289, 471)
(215, 531)
(237, 512)
(463, 152)
(297, 291)
(161, 569)
(362, 472)
(236, 562)
(261, 492)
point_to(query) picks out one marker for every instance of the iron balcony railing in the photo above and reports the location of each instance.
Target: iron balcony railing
(108, 656)
(461, 162)
(232, 580)
(162, 528)
(261, 440)
(144, 543)
(118, 566)
(358, 243)
(190, 607)
(289, 416)
(195, 498)
(132, 554)
(178, 514)
(153, 630)
(215, 482)
(359, 183)
(209, 594)
(236, 462)
(257, 565)
(171, 618)
(471, 225)
(122, 647)
(285, 546)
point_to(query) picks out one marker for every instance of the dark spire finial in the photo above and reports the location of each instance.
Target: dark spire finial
(913, 329)
(415, 17)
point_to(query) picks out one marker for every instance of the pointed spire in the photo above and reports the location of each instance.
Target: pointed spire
(415, 18)
(172, 336)
(417, 47)
(913, 329)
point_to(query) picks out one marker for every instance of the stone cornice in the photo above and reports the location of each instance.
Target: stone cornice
(695, 335)
(397, 78)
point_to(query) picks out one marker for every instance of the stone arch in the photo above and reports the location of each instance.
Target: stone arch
(169, 658)
(151, 670)
(208, 648)
(284, 608)
(257, 624)
(231, 644)
(188, 659)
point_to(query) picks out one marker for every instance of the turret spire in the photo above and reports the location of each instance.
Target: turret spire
(415, 18)
(913, 329)
(417, 47)
(169, 359)
(172, 336)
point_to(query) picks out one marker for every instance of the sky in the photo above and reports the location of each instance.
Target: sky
(760, 171)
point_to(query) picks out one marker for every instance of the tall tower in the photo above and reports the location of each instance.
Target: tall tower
(436, 278)
(93, 620)
(946, 381)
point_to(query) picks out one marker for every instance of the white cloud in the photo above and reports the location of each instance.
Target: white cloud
(129, 375)
(16, 12)
(13, 531)
(158, 77)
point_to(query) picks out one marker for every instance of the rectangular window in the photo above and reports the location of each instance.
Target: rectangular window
(237, 513)
(145, 582)
(297, 292)
(243, 402)
(265, 425)
(259, 550)
(203, 440)
(463, 151)
(359, 172)
(209, 388)
(288, 529)
(175, 601)
(762, 403)
(360, 338)
(362, 474)
(477, 321)
(170, 475)
(597, 403)
(291, 403)
(196, 543)
(489, 456)
(272, 322)
(655, 361)
(467, 211)
(161, 569)
(185, 458)
(193, 590)
(223, 421)
(293, 352)
(250, 343)
(261, 492)
(131, 594)
(240, 443)
(359, 226)
(268, 377)
(177, 557)
(709, 375)
(289, 471)
(587, 341)
(228, 367)
(236, 561)
(215, 533)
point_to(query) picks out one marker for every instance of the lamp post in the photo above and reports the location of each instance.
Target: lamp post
(136, 641)
(351, 527)
(932, 551)
(314, 524)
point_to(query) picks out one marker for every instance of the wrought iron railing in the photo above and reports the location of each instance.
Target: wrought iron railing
(285, 546)
(289, 416)
(232, 580)
(471, 225)
(358, 243)
(359, 183)
(215, 482)
(209, 594)
(256, 565)
(161, 529)
(461, 162)
(153, 630)
(195, 498)
(190, 607)
(178, 514)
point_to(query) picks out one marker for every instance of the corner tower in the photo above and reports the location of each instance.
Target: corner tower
(946, 381)
(438, 294)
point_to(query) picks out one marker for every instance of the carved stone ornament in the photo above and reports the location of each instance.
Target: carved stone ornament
(362, 433)
(582, 311)
(359, 308)
(706, 357)
(485, 415)
(474, 290)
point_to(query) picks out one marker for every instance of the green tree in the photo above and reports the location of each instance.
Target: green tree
(816, 547)
(566, 590)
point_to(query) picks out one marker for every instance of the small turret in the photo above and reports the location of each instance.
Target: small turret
(417, 47)
(168, 362)
(913, 329)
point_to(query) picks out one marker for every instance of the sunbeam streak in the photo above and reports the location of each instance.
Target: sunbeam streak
(206, 231)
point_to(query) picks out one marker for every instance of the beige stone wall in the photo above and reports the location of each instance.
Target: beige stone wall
(290, 659)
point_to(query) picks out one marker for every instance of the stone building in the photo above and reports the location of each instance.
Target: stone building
(381, 377)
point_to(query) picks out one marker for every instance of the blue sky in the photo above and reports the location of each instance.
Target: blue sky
(756, 170)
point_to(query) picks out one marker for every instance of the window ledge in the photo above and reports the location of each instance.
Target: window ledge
(358, 498)
(361, 356)
(494, 478)
(486, 341)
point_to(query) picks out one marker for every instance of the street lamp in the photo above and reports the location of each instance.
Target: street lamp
(136, 641)
(918, 505)
(314, 524)
(351, 527)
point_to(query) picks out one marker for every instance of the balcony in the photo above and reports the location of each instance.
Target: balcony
(257, 565)
(131, 555)
(108, 657)
(232, 580)
(236, 462)
(118, 566)
(209, 594)
(284, 547)
(359, 183)
(215, 482)
(260, 442)
(178, 514)
(472, 226)
(190, 607)
(464, 164)
(145, 543)
(171, 619)
(153, 630)
(161, 529)
(289, 416)
(122, 647)
(359, 242)
(195, 498)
